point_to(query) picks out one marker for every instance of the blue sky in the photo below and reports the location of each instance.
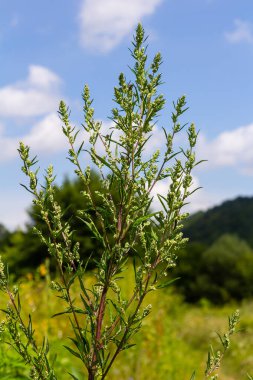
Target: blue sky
(50, 49)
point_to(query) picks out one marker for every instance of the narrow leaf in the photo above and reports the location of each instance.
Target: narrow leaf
(73, 352)
(168, 283)
(73, 376)
(143, 218)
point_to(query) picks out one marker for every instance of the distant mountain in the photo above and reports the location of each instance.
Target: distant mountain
(231, 217)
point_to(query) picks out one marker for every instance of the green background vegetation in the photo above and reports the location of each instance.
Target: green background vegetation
(173, 342)
(217, 264)
(215, 270)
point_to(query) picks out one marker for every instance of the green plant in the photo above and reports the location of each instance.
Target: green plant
(214, 358)
(104, 321)
(11, 366)
(70, 199)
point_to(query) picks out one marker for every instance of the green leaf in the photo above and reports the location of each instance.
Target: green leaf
(194, 190)
(76, 343)
(142, 145)
(92, 227)
(193, 376)
(80, 147)
(128, 346)
(114, 169)
(61, 313)
(72, 279)
(154, 235)
(142, 219)
(73, 352)
(221, 339)
(73, 376)
(119, 311)
(70, 311)
(29, 328)
(168, 283)
(19, 304)
(86, 305)
(83, 287)
(161, 199)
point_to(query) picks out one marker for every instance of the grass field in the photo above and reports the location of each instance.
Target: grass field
(173, 342)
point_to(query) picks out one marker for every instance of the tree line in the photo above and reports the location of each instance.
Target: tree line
(216, 265)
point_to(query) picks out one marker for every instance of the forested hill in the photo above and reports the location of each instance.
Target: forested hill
(231, 217)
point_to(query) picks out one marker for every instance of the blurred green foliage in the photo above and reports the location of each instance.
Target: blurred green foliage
(219, 273)
(23, 250)
(174, 340)
(216, 267)
(11, 366)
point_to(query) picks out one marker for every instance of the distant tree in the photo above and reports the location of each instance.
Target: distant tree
(69, 196)
(190, 271)
(222, 272)
(229, 265)
(24, 251)
(13, 250)
(3, 233)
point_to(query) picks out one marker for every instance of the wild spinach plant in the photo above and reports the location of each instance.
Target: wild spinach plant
(104, 321)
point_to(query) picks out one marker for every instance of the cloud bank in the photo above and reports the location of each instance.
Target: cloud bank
(36, 95)
(45, 137)
(34, 98)
(104, 23)
(229, 149)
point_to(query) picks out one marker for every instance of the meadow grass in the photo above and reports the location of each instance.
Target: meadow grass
(172, 344)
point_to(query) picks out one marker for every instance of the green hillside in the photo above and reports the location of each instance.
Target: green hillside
(217, 263)
(231, 217)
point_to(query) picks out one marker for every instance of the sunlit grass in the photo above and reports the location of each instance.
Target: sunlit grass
(173, 342)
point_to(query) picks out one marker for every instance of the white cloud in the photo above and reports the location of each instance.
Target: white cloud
(104, 23)
(38, 94)
(45, 137)
(230, 148)
(42, 78)
(13, 205)
(8, 147)
(243, 32)
(157, 141)
(201, 199)
(198, 200)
